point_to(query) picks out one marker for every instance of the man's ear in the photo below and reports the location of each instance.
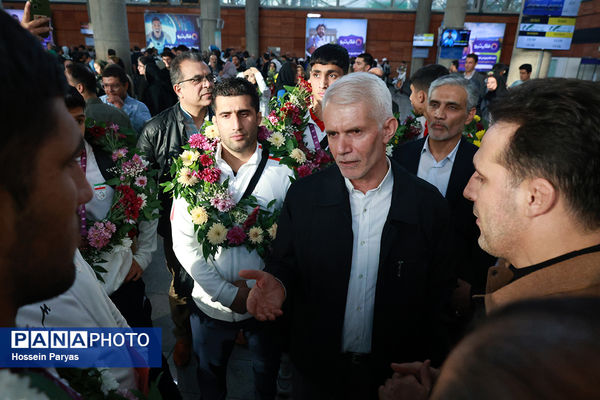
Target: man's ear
(422, 97)
(80, 88)
(389, 129)
(542, 196)
(177, 90)
(470, 115)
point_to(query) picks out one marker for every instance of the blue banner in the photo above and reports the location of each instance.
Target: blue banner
(80, 347)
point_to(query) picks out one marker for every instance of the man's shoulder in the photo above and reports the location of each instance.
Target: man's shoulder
(408, 149)
(161, 120)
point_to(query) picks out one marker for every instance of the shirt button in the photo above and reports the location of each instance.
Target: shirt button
(360, 276)
(362, 243)
(364, 210)
(358, 308)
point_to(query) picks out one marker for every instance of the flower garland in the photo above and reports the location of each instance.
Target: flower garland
(475, 130)
(135, 198)
(407, 130)
(219, 221)
(285, 126)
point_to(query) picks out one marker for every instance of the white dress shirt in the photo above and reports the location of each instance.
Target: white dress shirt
(436, 172)
(213, 289)
(118, 262)
(369, 213)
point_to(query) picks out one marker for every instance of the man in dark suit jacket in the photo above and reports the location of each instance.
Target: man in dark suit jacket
(362, 256)
(445, 159)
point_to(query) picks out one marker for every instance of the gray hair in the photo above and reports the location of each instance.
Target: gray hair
(457, 80)
(362, 86)
(175, 71)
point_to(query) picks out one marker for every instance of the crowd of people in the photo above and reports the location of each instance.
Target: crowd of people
(359, 250)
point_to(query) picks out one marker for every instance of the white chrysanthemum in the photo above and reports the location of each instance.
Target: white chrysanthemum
(199, 215)
(217, 234)
(256, 235)
(276, 139)
(239, 216)
(188, 157)
(15, 386)
(298, 155)
(186, 178)
(108, 381)
(211, 132)
(273, 231)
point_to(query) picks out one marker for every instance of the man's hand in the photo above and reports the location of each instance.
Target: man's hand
(36, 27)
(410, 381)
(418, 369)
(135, 272)
(404, 387)
(266, 297)
(115, 100)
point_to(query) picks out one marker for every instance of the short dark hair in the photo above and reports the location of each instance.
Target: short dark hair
(318, 26)
(155, 19)
(167, 53)
(331, 54)
(111, 52)
(81, 74)
(115, 70)
(145, 60)
(34, 80)
(474, 57)
(236, 87)
(182, 47)
(526, 67)
(455, 63)
(557, 139)
(73, 99)
(175, 70)
(422, 79)
(369, 60)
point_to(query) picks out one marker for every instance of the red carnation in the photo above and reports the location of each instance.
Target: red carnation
(251, 220)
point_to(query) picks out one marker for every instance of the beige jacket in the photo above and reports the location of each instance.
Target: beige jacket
(577, 276)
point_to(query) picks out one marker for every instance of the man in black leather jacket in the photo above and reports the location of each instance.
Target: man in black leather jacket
(161, 139)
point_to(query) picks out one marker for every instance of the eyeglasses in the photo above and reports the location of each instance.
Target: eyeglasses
(112, 87)
(198, 79)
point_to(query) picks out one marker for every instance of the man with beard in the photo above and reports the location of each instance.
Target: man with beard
(445, 159)
(161, 140)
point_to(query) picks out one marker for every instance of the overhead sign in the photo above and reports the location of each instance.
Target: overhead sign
(553, 8)
(485, 41)
(423, 40)
(545, 33)
(171, 30)
(348, 33)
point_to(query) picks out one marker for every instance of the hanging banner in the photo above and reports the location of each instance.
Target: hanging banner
(348, 33)
(172, 30)
(485, 41)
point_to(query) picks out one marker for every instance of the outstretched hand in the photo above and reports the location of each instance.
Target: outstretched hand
(266, 297)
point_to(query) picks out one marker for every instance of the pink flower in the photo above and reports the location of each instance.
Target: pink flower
(304, 170)
(209, 175)
(199, 141)
(120, 153)
(273, 118)
(99, 235)
(222, 204)
(236, 236)
(206, 160)
(141, 181)
(263, 133)
(114, 127)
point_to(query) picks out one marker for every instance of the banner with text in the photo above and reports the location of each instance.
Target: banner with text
(80, 347)
(485, 41)
(172, 30)
(348, 33)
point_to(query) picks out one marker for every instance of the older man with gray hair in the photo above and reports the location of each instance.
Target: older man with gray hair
(445, 159)
(361, 258)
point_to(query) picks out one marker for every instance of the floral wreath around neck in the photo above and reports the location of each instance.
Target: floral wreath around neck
(135, 198)
(284, 128)
(219, 221)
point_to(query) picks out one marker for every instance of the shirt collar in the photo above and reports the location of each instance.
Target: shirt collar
(451, 156)
(254, 160)
(189, 116)
(385, 182)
